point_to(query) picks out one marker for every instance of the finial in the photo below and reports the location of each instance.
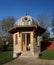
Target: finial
(26, 13)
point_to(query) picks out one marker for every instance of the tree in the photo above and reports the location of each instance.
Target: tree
(44, 22)
(53, 23)
(46, 35)
(6, 24)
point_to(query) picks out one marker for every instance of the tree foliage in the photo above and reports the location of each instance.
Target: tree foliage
(53, 23)
(43, 22)
(5, 25)
(46, 35)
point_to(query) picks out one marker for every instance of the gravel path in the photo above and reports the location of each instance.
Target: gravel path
(30, 61)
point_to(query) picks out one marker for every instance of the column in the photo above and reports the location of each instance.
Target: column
(39, 39)
(31, 41)
(19, 41)
(14, 52)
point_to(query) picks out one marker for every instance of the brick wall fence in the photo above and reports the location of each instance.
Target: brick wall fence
(47, 45)
(51, 46)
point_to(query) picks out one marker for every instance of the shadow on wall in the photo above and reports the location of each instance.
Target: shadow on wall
(44, 45)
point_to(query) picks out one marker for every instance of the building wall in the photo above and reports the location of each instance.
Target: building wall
(31, 37)
(37, 45)
(16, 45)
(34, 47)
(51, 46)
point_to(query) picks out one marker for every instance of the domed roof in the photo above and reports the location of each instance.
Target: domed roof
(26, 20)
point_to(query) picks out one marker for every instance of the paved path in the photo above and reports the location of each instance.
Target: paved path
(30, 61)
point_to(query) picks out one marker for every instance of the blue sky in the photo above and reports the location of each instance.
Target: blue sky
(17, 8)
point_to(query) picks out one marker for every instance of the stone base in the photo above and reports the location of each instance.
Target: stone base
(14, 55)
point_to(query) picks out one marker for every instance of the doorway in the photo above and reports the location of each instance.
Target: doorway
(28, 42)
(25, 41)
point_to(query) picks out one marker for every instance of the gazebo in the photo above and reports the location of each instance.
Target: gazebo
(27, 36)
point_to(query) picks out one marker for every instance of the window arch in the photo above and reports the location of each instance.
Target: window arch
(16, 39)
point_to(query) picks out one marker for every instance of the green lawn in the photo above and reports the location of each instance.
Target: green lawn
(6, 56)
(47, 54)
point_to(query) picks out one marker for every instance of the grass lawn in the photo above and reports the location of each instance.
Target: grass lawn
(6, 56)
(47, 54)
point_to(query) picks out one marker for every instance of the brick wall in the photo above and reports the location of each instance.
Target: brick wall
(51, 46)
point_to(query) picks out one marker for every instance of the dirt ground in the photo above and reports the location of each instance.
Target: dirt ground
(30, 61)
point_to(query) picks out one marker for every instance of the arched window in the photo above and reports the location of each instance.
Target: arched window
(16, 39)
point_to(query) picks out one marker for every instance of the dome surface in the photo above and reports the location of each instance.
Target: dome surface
(26, 20)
